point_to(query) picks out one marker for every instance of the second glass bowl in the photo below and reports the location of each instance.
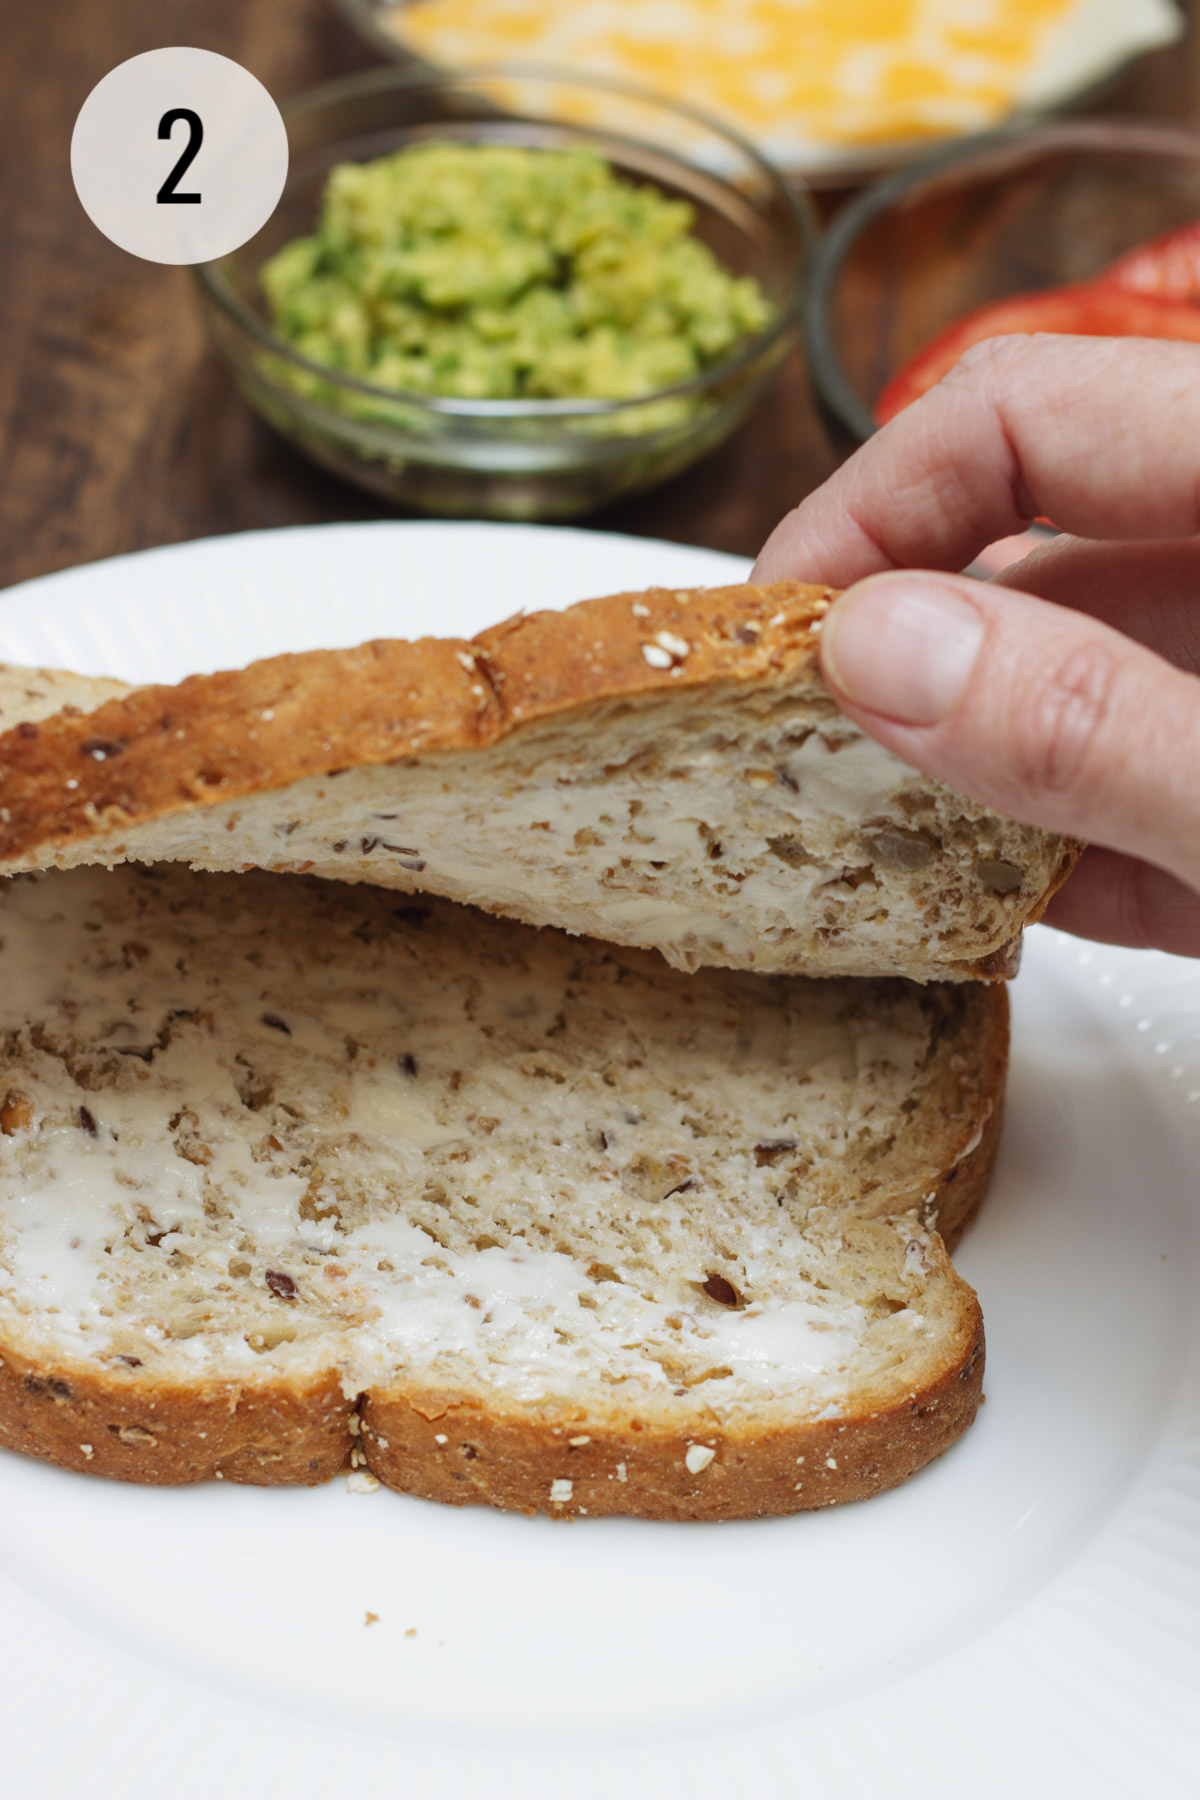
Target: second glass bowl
(1005, 214)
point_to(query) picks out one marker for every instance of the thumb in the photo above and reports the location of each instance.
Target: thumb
(1040, 712)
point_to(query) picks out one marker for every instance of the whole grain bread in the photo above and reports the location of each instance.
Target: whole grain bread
(295, 1175)
(664, 769)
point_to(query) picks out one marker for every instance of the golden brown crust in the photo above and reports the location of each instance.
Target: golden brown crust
(163, 750)
(131, 1428)
(463, 1452)
(460, 1450)
(545, 663)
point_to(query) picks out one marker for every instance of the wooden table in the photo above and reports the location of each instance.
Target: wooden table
(119, 430)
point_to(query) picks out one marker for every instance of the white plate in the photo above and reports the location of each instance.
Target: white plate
(1024, 1616)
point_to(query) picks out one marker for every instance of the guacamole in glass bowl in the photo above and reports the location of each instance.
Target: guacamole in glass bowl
(495, 272)
(515, 295)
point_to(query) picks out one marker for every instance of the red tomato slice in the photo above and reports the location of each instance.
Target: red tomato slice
(1168, 266)
(1093, 309)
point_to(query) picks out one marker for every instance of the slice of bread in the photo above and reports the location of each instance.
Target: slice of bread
(663, 769)
(294, 1174)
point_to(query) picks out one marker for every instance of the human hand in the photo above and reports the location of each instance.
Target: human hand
(1068, 697)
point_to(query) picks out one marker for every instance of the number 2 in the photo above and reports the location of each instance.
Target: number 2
(167, 194)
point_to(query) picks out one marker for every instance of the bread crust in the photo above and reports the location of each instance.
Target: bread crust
(547, 663)
(464, 1452)
(164, 1434)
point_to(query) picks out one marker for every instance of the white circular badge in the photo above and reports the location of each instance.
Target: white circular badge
(179, 155)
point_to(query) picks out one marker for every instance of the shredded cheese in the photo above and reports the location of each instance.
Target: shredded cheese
(837, 74)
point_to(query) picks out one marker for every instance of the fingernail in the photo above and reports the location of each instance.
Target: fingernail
(901, 646)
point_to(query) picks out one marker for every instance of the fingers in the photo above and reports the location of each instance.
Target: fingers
(1117, 900)
(1148, 591)
(1101, 435)
(1039, 712)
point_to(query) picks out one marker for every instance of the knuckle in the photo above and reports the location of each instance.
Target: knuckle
(988, 363)
(1065, 721)
(979, 358)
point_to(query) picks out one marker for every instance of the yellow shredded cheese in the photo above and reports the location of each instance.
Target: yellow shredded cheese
(842, 74)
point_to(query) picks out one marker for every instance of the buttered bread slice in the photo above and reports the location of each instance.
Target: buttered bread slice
(295, 1174)
(665, 770)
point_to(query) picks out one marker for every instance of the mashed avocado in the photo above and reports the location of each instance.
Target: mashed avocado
(490, 272)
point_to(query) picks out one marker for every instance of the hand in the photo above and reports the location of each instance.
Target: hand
(1068, 697)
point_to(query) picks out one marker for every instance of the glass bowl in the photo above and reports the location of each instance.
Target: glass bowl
(514, 459)
(1004, 214)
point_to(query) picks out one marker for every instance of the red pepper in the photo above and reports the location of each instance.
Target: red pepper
(1104, 308)
(1168, 267)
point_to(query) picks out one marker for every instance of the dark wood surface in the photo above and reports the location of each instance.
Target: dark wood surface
(118, 430)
